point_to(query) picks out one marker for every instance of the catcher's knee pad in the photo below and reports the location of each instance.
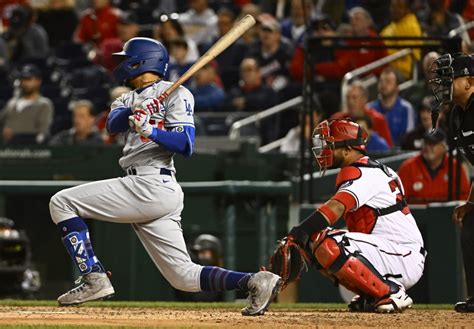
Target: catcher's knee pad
(353, 271)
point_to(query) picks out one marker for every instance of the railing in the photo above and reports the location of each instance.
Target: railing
(234, 132)
(461, 31)
(271, 146)
(349, 76)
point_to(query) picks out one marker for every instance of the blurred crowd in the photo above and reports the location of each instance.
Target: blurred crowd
(56, 63)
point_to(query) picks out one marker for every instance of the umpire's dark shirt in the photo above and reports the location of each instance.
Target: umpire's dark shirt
(463, 124)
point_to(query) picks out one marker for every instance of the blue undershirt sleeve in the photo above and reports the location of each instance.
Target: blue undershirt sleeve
(174, 141)
(117, 121)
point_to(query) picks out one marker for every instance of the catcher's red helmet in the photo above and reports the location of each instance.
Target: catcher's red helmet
(332, 134)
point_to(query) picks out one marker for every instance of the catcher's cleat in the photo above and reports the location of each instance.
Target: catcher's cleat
(263, 288)
(361, 304)
(465, 307)
(397, 302)
(92, 286)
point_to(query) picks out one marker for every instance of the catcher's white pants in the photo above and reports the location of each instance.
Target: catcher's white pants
(152, 203)
(398, 262)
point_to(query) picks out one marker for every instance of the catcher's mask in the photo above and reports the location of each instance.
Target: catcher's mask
(141, 55)
(447, 68)
(333, 134)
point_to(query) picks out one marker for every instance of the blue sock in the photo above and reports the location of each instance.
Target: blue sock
(75, 237)
(215, 278)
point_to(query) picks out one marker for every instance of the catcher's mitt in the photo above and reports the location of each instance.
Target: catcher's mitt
(289, 260)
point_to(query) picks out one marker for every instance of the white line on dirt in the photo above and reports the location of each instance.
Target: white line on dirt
(44, 312)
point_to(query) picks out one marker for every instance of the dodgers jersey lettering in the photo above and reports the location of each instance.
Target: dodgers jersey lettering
(176, 112)
(375, 189)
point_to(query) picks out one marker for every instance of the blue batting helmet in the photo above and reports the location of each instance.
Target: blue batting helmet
(141, 55)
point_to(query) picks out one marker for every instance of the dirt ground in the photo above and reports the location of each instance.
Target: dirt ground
(156, 317)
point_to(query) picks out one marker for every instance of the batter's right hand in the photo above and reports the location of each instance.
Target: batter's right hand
(461, 211)
(140, 122)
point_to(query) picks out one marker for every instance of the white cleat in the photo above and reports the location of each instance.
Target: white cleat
(263, 288)
(92, 286)
(397, 302)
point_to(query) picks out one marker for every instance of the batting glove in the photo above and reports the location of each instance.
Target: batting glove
(139, 122)
(151, 105)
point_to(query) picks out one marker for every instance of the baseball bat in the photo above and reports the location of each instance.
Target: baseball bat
(225, 41)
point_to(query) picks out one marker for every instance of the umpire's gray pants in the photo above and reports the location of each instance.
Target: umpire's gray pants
(152, 203)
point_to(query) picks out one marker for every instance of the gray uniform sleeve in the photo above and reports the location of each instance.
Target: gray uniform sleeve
(179, 109)
(118, 103)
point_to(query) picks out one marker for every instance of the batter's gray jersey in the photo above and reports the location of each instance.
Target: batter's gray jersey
(177, 111)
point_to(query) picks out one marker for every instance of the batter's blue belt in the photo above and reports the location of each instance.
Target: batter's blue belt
(148, 171)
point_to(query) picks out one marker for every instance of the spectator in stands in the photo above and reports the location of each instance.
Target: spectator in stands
(398, 111)
(229, 60)
(321, 26)
(148, 10)
(356, 102)
(403, 24)
(170, 29)
(425, 176)
(414, 139)
(26, 40)
(344, 60)
(294, 27)
(252, 94)
(199, 22)
(99, 22)
(127, 28)
(375, 143)
(251, 36)
(292, 141)
(26, 118)
(272, 52)
(178, 64)
(440, 19)
(83, 131)
(208, 96)
(349, 59)
(59, 19)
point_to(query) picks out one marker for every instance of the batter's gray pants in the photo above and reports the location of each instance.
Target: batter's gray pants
(152, 203)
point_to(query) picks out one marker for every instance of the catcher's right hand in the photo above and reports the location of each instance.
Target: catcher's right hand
(289, 260)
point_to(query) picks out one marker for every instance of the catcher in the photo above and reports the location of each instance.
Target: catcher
(381, 254)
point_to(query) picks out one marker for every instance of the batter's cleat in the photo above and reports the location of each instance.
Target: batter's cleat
(263, 288)
(92, 286)
(361, 304)
(397, 302)
(465, 307)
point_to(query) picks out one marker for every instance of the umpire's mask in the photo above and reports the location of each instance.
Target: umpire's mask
(447, 68)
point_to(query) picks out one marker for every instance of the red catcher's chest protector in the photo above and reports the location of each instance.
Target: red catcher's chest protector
(363, 219)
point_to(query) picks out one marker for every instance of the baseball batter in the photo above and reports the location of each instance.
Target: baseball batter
(381, 254)
(148, 197)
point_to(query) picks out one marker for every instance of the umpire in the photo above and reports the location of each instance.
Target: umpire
(454, 83)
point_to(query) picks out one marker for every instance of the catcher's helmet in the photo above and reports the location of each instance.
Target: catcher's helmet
(333, 134)
(447, 68)
(141, 55)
